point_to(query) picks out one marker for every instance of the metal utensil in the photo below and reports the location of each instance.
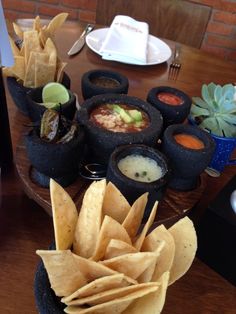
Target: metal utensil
(93, 171)
(79, 44)
(175, 64)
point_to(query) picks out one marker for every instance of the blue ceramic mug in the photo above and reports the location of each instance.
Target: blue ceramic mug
(223, 152)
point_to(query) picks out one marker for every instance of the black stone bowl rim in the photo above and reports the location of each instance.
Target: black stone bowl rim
(30, 96)
(88, 105)
(143, 150)
(152, 98)
(123, 81)
(190, 130)
(37, 140)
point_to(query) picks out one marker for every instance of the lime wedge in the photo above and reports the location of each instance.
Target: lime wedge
(55, 93)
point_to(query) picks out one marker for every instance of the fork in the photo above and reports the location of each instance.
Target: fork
(175, 65)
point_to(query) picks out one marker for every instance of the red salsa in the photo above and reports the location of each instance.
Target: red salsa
(170, 99)
(106, 117)
(189, 141)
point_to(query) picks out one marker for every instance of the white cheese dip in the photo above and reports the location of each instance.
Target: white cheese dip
(140, 168)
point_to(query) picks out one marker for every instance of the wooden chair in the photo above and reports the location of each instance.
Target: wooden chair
(178, 20)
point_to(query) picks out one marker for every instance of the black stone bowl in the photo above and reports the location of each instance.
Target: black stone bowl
(18, 92)
(35, 110)
(186, 163)
(58, 161)
(102, 142)
(172, 114)
(132, 189)
(91, 88)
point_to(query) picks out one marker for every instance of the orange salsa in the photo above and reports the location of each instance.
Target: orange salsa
(170, 99)
(189, 141)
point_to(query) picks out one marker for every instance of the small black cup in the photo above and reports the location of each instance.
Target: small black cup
(132, 189)
(186, 163)
(60, 161)
(101, 81)
(172, 114)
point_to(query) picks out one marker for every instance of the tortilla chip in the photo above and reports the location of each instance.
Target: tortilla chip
(56, 22)
(37, 24)
(8, 72)
(132, 265)
(65, 216)
(31, 43)
(18, 69)
(63, 272)
(152, 242)
(44, 73)
(19, 32)
(29, 79)
(134, 218)
(90, 218)
(185, 240)
(111, 294)
(117, 248)
(148, 274)
(97, 286)
(110, 229)
(114, 306)
(139, 242)
(151, 303)
(14, 48)
(115, 204)
(51, 50)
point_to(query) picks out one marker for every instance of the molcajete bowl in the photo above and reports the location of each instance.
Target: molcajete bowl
(60, 161)
(18, 92)
(36, 108)
(173, 104)
(102, 141)
(97, 82)
(140, 157)
(187, 163)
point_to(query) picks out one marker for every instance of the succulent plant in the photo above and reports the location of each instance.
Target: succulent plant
(216, 110)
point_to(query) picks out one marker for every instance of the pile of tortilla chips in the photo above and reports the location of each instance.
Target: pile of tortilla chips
(103, 263)
(36, 61)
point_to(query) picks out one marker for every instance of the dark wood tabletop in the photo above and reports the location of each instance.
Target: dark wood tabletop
(25, 226)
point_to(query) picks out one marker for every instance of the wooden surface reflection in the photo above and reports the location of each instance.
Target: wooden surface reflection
(25, 226)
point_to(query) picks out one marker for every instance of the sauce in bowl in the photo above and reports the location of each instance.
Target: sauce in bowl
(140, 168)
(170, 99)
(107, 116)
(103, 81)
(189, 141)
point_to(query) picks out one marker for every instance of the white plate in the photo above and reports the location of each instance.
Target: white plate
(158, 50)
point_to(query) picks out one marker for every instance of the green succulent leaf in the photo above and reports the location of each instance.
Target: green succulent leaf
(217, 95)
(212, 126)
(227, 129)
(201, 103)
(211, 89)
(228, 88)
(197, 111)
(230, 118)
(206, 95)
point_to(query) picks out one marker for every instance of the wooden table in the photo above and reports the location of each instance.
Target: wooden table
(26, 227)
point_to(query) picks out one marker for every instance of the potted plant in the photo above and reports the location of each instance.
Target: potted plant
(215, 112)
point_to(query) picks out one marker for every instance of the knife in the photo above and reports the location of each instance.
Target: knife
(79, 44)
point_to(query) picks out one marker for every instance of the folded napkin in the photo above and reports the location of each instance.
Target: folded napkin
(126, 41)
